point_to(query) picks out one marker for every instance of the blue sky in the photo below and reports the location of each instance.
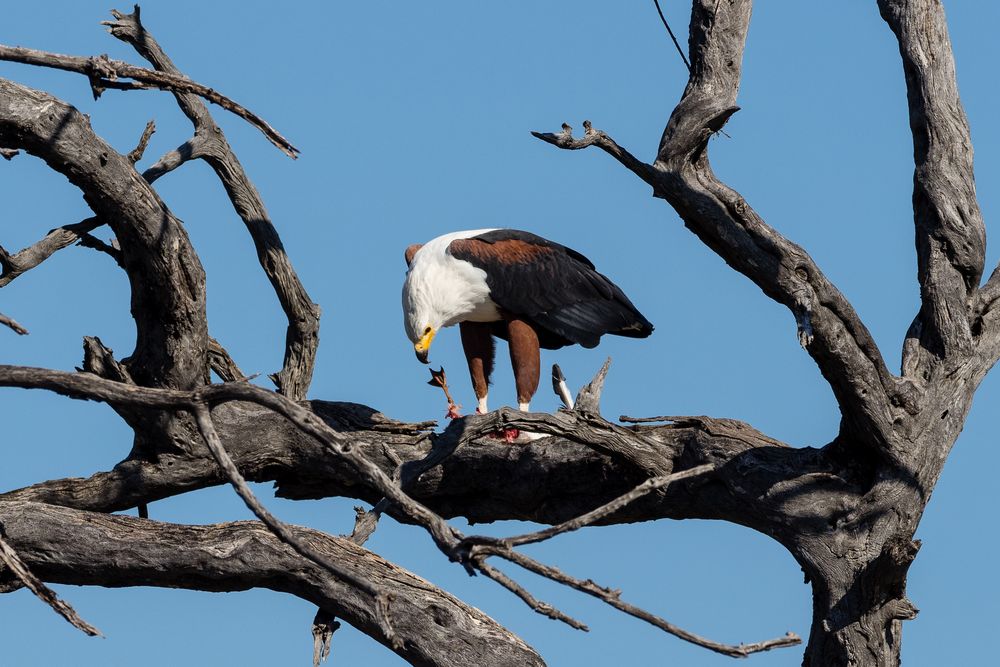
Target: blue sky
(413, 120)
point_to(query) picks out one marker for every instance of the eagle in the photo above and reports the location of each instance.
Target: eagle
(514, 285)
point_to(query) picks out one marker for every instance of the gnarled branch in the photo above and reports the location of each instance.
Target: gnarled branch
(209, 144)
(828, 327)
(69, 546)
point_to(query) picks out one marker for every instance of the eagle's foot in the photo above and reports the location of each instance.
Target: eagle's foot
(453, 412)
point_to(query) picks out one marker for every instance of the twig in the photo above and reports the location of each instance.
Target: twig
(12, 324)
(101, 68)
(607, 509)
(612, 598)
(543, 608)
(323, 626)
(8, 153)
(30, 257)
(600, 139)
(671, 32)
(43, 592)
(136, 153)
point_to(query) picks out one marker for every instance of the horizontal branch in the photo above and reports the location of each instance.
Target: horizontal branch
(98, 68)
(116, 394)
(349, 449)
(73, 547)
(546, 481)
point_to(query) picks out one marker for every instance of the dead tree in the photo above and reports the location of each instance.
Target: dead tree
(847, 511)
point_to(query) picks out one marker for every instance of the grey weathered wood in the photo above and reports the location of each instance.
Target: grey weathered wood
(165, 274)
(209, 144)
(896, 431)
(85, 548)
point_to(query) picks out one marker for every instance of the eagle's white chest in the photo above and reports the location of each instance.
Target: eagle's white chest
(448, 289)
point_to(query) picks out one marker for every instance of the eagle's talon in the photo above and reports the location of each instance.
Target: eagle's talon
(453, 412)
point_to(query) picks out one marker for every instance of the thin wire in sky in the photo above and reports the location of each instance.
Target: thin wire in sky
(671, 33)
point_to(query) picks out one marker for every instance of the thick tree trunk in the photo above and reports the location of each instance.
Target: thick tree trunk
(859, 606)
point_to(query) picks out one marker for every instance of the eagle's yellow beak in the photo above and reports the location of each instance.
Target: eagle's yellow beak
(423, 346)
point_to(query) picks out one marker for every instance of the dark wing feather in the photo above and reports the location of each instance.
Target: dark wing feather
(554, 287)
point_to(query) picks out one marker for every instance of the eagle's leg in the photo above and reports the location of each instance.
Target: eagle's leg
(525, 358)
(477, 342)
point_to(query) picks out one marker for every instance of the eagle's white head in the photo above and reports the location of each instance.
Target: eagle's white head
(440, 291)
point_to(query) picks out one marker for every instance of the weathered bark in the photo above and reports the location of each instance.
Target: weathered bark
(209, 143)
(896, 431)
(165, 274)
(73, 547)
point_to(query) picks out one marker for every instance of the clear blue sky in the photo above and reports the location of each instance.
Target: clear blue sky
(413, 120)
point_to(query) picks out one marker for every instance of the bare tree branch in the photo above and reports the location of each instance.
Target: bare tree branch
(612, 597)
(136, 153)
(828, 327)
(448, 539)
(209, 143)
(13, 325)
(166, 276)
(650, 485)
(10, 558)
(68, 546)
(30, 257)
(951, 237)
(104, 70)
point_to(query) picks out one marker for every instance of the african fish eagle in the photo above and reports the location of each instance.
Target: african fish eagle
(514, 285)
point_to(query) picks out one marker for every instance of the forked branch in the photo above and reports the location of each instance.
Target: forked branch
(209, 143)
(827, 325)
(105, 72)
